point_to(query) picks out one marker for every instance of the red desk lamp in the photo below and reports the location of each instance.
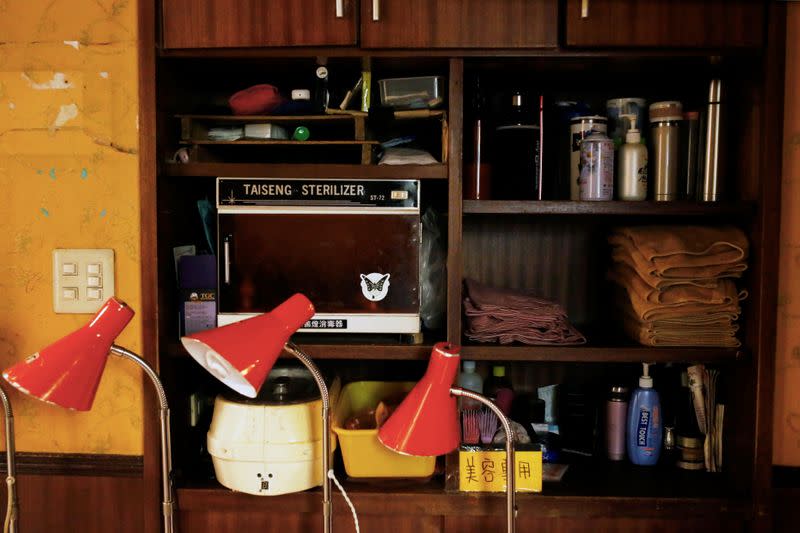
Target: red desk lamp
(241, 355)
(67, 373)
(426, 421)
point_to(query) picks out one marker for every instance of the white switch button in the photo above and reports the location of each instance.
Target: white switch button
(94, 294)
(94, 269)
(69, 269)
(94, 281)
(69, 293)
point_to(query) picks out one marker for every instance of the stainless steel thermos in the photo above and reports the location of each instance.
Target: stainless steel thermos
(616, 417)
(665, 119)
(712, 162)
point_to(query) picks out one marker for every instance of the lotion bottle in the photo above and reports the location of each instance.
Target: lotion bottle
(644, 422)
(469, 379)
(632, 164)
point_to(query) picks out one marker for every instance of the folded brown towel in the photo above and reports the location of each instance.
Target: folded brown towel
(687, 246)
(672, 268)
(505, 316)
(723, 291)
(680, 313)
(722, 339)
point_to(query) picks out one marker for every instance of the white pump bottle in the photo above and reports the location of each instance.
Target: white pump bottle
(632, 164)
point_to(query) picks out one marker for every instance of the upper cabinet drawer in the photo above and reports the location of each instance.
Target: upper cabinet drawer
(254, 23)
(459, 23)
(669, 23)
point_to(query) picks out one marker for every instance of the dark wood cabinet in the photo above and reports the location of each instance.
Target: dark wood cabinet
(672, 23)
(258, 23)
(459, 23)
(555, 246)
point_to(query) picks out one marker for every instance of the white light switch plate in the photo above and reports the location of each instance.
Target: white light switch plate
(72, 270)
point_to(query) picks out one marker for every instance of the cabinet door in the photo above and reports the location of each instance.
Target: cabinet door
(459, 23)
(675, 23)
(243, 23)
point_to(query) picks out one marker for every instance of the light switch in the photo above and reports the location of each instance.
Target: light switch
(82, 279)
(69, 293)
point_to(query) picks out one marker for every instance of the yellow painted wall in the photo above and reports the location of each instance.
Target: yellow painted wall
(786, 449)
(68, 178)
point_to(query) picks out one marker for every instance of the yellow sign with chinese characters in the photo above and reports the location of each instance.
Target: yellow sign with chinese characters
(485, 470)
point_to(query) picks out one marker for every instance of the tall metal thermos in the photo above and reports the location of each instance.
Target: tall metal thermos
(711, 185)
(665, 119)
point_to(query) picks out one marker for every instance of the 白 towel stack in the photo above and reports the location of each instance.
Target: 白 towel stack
(676, 283)
(506, 316)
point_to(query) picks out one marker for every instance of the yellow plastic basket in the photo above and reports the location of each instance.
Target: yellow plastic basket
(363, 454)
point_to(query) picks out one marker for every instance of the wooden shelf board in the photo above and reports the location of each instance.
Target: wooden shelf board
(282, 142)
(431, 499)
(305, 171)
(555, 207)
(601, 354)
(270, 118)
(558, 354)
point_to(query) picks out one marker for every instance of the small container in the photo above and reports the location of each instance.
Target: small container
(517, 151)
(665, 120)
(616, 420)
(632, 165)
(498, 388)
(617, 125)
(414, 93)
(470, 380)
(689, 147)
(579, 129)
(597, 168)
(362, 452)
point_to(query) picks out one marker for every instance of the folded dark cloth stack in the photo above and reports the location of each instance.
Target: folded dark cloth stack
(506, 316)
(676, 283)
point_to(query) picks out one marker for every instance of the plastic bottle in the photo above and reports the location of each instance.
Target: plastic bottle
(632, 165)
(470, 380)
(498, 388)
(644, 422)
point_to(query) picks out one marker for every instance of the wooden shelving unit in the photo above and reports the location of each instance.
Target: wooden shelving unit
(595, 495)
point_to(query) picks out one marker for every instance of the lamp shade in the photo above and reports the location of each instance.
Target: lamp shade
(241, 354)
(67, 373)
(426, 422)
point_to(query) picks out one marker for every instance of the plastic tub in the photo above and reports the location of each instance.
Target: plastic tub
(363, 454)
(420, 92)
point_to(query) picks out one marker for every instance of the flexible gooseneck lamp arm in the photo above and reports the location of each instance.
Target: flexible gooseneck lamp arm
(12, 512)
(326, 431)
(168, 503)
(511, 506)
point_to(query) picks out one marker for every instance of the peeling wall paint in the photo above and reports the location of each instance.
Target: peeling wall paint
(69, 173)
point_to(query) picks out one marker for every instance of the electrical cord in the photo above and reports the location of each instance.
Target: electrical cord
(332, 476)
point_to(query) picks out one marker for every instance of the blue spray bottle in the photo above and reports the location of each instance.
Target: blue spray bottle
(644, 422)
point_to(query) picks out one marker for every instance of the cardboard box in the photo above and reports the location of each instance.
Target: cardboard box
(197, 285)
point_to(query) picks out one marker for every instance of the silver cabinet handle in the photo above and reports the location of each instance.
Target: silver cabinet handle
(339, 9)
(376, 10)
(226, 246)
(584, 9)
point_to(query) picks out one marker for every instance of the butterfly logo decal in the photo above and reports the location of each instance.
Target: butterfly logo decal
(375, 286)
